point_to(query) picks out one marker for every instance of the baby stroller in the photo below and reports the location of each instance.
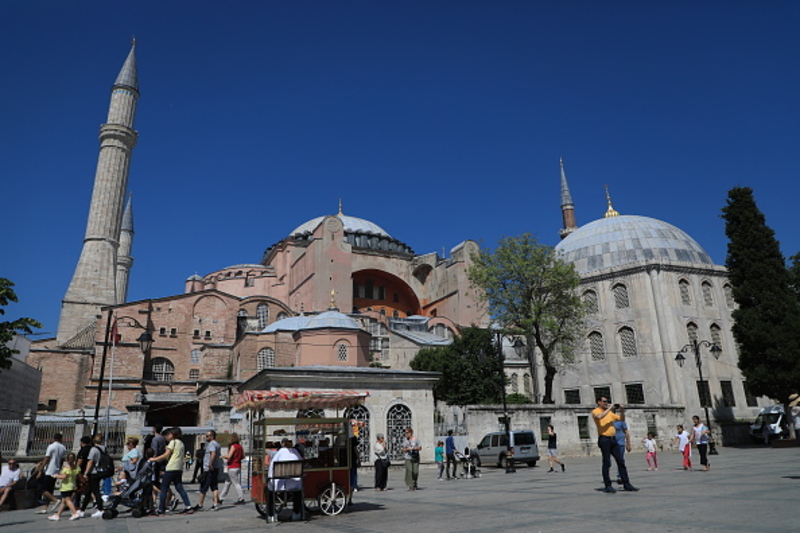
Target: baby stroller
(138, 496)
(469, 470)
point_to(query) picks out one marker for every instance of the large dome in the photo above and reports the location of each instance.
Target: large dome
(625, 240)
(351, 225)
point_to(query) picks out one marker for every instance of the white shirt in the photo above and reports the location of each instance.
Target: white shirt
(56, 452)
(650, 444)
(683, 439)
(285, 454)
(9, 477)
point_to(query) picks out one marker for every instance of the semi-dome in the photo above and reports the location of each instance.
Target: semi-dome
(624, 240)
(351, 225)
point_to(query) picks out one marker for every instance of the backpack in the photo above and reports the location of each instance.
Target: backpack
(105, 466)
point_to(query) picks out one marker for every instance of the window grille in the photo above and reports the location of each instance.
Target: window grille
(602, 392)
(708, 299)
(590, 300)
(194, 374)
(262, 314)
(596, 346)
(716, 335)
(311, 413)
(514, 384)
(686, 298)
(728, 290)
(583, 427)
(628, 341)
(160, 369)
(652, 427)
(544, 421)
(342, 352)
(704, 393)
(634, 393)
(572, 396)
(360, 413)
(194, 358)
(266, 359)
(621, 296)
(397, 420)
(728, 399)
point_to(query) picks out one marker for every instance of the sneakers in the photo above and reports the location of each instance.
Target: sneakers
(563, 468)
(610, 490)
(80, 514)
(550, 471)
(188, 510)
(97, 514)
(54, 517)
(43, 511)
(630, 488)
(76, 516)
(197, 508)
(272, 519)
(239, 502)
(215, 507)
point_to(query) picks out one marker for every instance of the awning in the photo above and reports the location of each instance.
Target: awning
(298, 399)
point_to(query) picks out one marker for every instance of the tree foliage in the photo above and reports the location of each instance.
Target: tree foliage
(767, 319)
(9, 328)
(530, 291)
(470, 367)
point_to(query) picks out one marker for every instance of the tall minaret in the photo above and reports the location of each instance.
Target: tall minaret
(124, 258)
(567, 208)
(94, 283)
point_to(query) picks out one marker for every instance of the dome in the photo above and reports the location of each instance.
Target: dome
(351, 225)
(332, 320)
(624, 240)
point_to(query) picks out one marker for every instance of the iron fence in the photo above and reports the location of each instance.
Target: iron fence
(9, 436)
(43, 433)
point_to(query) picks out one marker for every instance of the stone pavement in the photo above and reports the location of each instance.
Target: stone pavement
(748, 489)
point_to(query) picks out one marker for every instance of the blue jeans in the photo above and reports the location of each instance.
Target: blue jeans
(176, 477)
(609, 447)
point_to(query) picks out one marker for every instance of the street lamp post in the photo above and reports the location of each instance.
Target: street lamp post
(519, 347)
(694, 347)
(145, 341)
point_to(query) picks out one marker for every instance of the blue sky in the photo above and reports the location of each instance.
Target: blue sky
(439, 121)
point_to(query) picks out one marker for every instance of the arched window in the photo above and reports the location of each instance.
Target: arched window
(728, 290)
(241, 312)
(686, 297)
(266, 359)
(627, 340)
(262, 313)
(596, 346)
(716, 335)
(708, 298)
(691, 331)
(514, 384)
(398, 418)
(281, 316)
(341, 352)
(621, 296)
(160, 369)
(360, 414)
(590, 301)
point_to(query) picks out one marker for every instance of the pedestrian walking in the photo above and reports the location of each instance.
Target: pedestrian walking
(552, 450)
(623, 441)
(199, 454)
(69, 478)
(700, 433)
(682, 438)
(411, 449)
(93, 489)
(212, 465)
(234, 462)
(450, 453)
(651, 455)
(53, 459)
(438, 454)
(381, 463)
(159, 445)
(604, 419)
(173, 471)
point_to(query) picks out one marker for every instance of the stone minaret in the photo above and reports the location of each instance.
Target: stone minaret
(567, 208)
(124, 258)
(94, 283)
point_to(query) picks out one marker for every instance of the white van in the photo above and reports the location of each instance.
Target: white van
(767, 425)
(493, 446)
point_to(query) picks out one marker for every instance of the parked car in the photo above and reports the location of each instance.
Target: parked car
(769, 424)
(493, 446)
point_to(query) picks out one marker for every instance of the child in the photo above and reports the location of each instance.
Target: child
(650, 456)
(122, 483)
(682, 438)
(439, 456)
(68, 477)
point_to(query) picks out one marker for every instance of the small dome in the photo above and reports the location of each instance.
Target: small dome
(194, 278)
(333, 320)
(351, 225)
(627, 239)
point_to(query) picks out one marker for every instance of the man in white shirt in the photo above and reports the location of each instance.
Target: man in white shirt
(53, 458)
(8, 477)
(286, 453)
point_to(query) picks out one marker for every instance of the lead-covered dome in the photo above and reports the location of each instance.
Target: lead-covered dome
(628, 239)
(351, 225)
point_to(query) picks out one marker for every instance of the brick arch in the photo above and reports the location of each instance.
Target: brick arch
(380, 290)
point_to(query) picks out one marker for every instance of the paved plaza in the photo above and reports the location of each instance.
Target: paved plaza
(748, 489)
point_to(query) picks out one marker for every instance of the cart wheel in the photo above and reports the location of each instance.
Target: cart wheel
(261, 508)
(311, 505)
(114, 513)
(108, 514)
(332, 500)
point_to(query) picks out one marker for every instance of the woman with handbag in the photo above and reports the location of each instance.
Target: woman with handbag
(381, 463)
(411, 448)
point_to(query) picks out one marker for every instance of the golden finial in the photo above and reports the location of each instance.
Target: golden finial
(333, 299)
(610, 212)
(133, 41)
(340, 206)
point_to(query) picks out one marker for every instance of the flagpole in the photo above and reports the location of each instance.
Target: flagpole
(114, 340)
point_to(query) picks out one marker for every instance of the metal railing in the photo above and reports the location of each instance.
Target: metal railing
(43, 433)
(9, 436)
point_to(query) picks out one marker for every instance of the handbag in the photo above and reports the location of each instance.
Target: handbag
(414, 456)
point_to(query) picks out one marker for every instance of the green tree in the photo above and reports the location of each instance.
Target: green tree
(767, 319)
(470, 366)
(9, 328)
(794, 272)
(530, 291)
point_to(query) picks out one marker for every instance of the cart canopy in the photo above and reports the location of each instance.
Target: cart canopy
(298, 399)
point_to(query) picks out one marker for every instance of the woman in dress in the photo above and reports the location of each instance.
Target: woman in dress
(234, 462)
(381, 463)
